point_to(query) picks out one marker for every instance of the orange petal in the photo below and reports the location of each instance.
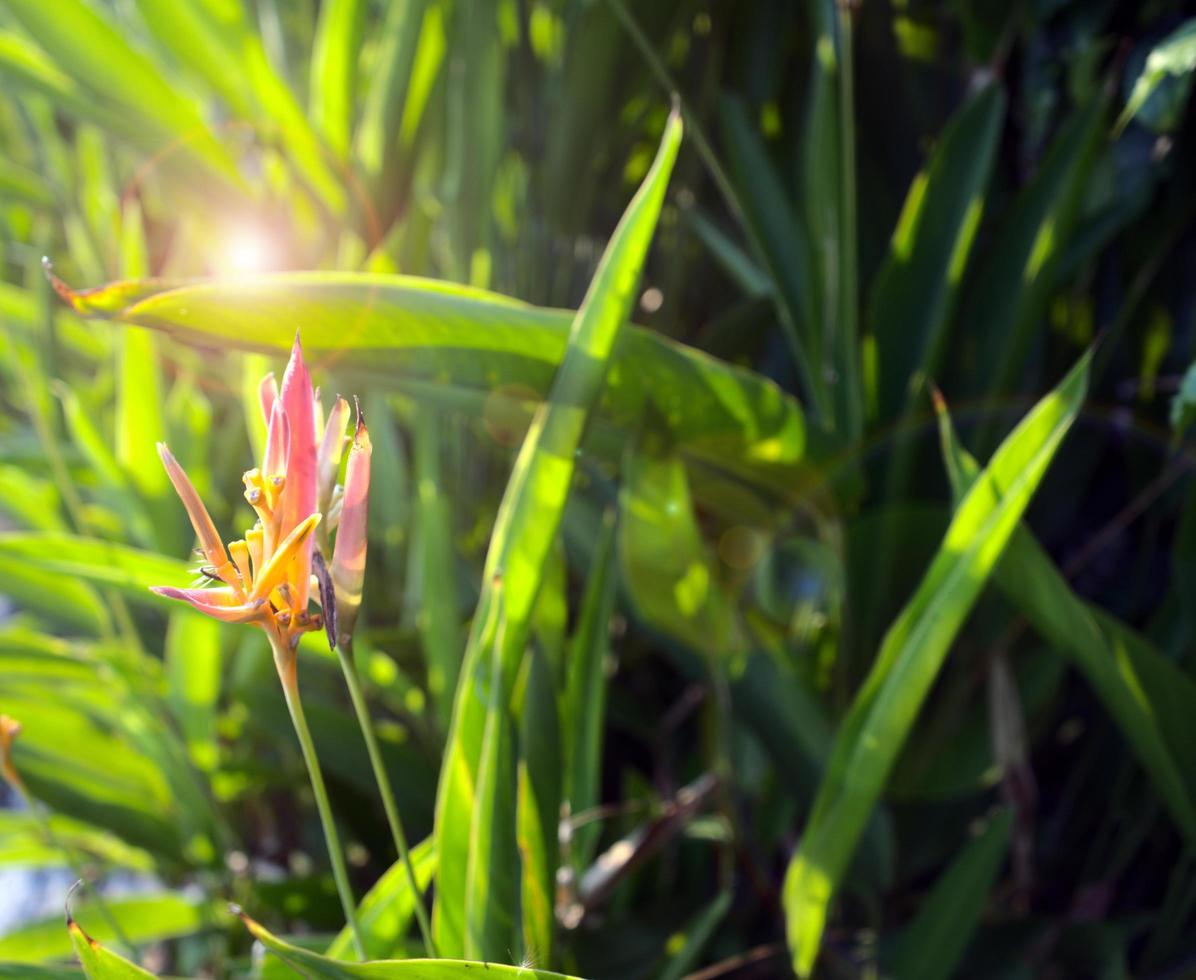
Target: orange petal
(205, 530)
(220, 604)
(294, 548)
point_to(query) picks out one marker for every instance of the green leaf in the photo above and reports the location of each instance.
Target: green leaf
(665, 565)
(386, 911)
(457, 345)
(143, 919)
(19, 184)
(1152, 701)
(784, 247)
(193, 666)
(386, 104)
(310, 964)
(539, 804)
(526, 526)
(915, 289)
(887, 705)
(334, 70)
(697, 936)
(96, 54)
(218, 42)
(932, 944)
(100, 963)
(1011, 290)
(584, 710)
(1183, 404)
(93, 560)
(434, 585)
(1174, 56)
(27, 971)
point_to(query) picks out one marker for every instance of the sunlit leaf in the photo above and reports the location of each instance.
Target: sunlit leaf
(887, 705)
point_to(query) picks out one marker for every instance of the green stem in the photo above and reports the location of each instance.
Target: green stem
(344, 653)
(290, 690)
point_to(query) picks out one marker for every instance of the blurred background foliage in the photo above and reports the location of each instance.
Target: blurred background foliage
(869, 198)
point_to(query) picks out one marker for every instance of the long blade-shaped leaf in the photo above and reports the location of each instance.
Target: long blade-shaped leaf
(1152, 700)
(334, 70)
(887, 705)
(100, 963)
(916, 288)
(526, 527)
(93, 51)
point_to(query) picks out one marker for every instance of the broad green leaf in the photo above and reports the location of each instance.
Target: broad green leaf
(388, 908)
(1174, 56)
(526, 526)
(53, 596)
(24, 841)
(584, 711)
(457, 345)
(665, 565)
(310, 964)
(100, 963)
(93, 560)
(887, 705)
(1152, 700)
(143, 919)
(931, 946)
(914, 292)
(334, 70)
(97, 55)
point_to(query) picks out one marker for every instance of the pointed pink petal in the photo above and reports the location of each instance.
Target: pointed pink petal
(299, 495)
(348, 557)
(267, 393)
(278, 443)
(332, 447)
(220, 604)
(205, 530)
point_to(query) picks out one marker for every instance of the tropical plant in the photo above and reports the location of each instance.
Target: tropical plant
(685, 648)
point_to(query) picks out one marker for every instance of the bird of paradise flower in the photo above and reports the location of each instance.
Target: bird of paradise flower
(266, 578)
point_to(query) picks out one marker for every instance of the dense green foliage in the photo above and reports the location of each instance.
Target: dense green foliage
(702, 634)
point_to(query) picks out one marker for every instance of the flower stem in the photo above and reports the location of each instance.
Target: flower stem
(345, 654)
(290, 690)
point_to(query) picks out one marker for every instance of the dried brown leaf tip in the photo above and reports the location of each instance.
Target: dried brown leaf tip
(10, 728)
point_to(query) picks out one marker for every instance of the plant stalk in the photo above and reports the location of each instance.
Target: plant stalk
(290, 689)
(344, 653)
